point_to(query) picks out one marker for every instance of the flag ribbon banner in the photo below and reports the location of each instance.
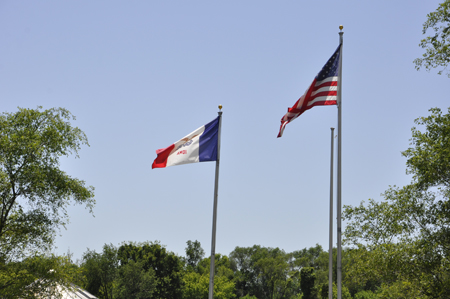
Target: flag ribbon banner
(321, 92)
(198, 146)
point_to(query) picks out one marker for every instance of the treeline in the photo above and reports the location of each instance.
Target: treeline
(149, 270)
(398, 247)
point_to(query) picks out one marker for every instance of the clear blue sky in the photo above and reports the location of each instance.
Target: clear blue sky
(140, 75)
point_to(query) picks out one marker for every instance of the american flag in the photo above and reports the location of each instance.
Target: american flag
(322, 91)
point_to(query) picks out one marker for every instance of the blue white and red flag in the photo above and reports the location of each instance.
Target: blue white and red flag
(198, 146)
(321, 92)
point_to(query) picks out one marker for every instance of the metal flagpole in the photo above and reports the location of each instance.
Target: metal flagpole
(330, 248)
(339, 170)
(216, 189)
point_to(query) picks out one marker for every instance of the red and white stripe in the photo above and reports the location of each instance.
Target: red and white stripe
(319, 93)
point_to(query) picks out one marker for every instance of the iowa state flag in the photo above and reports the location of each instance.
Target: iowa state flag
(198, 146)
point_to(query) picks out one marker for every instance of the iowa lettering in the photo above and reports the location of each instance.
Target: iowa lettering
(183, 152)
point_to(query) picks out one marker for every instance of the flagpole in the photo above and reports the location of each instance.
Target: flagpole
(339, 170)
(330, 248)
(216, 189)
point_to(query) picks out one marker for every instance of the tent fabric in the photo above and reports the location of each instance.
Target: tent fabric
(74, 292)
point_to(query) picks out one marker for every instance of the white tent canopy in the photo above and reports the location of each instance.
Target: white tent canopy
(62, 292)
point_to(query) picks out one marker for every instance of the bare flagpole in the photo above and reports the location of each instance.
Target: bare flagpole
(330, 248)
(216, 189)
(339, 171)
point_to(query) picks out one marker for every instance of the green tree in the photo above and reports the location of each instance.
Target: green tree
(429, 156)
(222, 266)
(194, 253)
(318, 259)
(399, 240)
(307, 283)
(34, 191)
(308, 257)
(345, 294)
(100, 271)
(264, 272)
(196, 280)
(75, 272)
(365, 295)
(436, 45)
(134, 282)
(245, 276)
(400, 290)
(196, 286)
(38, 274)
(166, 265)
(401, 244)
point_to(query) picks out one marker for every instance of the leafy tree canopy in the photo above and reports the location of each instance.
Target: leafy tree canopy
(265, 272)
(197, 274)
(167, 266)
(100, 271)
(196, 286)
(436, 45)
(401, 245)
(134, 282)
(429, 156)
(34, 191)
(307, 279)
(194, 253)
(38, 274)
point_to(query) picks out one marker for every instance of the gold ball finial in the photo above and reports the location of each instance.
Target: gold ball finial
(341, 27)
(220, 107)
